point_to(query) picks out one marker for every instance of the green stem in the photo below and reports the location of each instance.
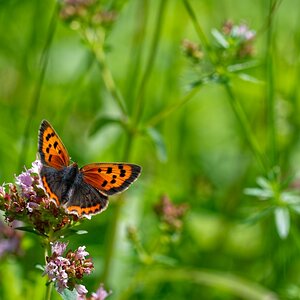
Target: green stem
(199, 31)
(244, 124)
(97, 47)
(130, 138)
(236, 106)
(140, 100)
(113, 232)
(38, 88)
(272, 143)
(49, 286)
(136, 51)
(169, 110)
(240, 287)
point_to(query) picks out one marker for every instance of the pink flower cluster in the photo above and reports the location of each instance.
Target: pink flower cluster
(240, 39)
(26, 200)
(66, 271)
(169, 213)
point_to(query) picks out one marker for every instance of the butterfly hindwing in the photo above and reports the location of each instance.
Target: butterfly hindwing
(86, 200)
(110, 178)
(51, 149)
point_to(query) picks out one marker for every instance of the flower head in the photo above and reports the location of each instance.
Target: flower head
(10, 240)
(169, 213)
(82, 291)
(59, 248)
(67, 271)
(27, 201)
(100, 294)
(192, 50)
(83, 13)
(239, 39)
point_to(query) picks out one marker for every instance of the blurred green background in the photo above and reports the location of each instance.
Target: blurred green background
(189, 140)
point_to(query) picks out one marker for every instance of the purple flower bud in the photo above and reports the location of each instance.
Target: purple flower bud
(58, 248)
(62, 280)
(36, 166)
(2, 191)
(61, 261)
(24, 179)
(31, 206)
(101, 294)
(80, 253)
(82, 291)
(51, 270)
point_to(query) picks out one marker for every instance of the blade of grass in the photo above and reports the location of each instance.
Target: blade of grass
(140, 99)
(235, 285)
(37, 92)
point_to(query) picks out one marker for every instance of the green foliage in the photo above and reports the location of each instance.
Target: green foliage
(208, 107)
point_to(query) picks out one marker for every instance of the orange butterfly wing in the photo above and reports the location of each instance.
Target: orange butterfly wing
(52, 150)
(110, 178)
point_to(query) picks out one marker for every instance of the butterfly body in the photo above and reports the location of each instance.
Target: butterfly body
(85, 190)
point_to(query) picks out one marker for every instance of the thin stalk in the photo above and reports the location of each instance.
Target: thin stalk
(37, 92)
(130, 138)
(272, 143)
(107, 77)
(199, 31)
(237, 286)
(244, 124)
(49, 286)
(236, 106)
(111, 241)
(169, 110)
(112, 236)
(140, 100)
(136, 51)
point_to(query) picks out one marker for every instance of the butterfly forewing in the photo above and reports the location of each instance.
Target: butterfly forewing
(110, 178)
(52, 151)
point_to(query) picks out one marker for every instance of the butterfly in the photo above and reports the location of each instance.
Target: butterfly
(83, 191)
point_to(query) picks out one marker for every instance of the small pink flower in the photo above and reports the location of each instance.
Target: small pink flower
(82, 291)
(2, 191)
(31, 206)
(58, 248)
(51, 270)
(36, 166)
(67, 271)
(81, 253)
(101, 294)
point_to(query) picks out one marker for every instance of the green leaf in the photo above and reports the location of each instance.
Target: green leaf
(220, 38)
(290, 198)
(282, 220)
(295, 208)
(69, 295)
(69, 231)
(29, 229)
(243, 66)
(159, 143)
(40, 267)
(79, 232)
(166, 260)
(249, 78)
(257, 192)
(263, 182)
(102, 122)
(258, 216)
